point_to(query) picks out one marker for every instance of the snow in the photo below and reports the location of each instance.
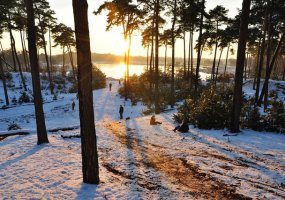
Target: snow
(137, 161)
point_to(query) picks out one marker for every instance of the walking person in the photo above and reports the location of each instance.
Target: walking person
(73, 105)
(121, 111)
(110, 86)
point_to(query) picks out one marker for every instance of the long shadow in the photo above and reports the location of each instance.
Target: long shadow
(86, 192)
(100, 112)
(25, 155)
(234, 155)
(144, 154)
(131, 155)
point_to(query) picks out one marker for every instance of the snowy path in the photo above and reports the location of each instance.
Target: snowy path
(137, 161)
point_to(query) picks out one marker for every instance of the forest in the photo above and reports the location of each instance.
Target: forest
(70, 130)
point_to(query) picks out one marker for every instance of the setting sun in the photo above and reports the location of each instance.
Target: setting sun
(120, 70)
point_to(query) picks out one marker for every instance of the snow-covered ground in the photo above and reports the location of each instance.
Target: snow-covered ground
(137, 161)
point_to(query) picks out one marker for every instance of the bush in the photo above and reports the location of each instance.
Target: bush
(73, 89)
(275, 119)
(8, 76)
(14, 100)
(98, 78)
(212, 110)
(24, 98)
(13, 126)
(251, 117)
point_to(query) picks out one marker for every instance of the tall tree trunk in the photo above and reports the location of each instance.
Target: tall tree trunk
(12, 51)
(128, 61)
(125, 65)
(19, 64)
(227, 56)
(156, 92)
(217, 71)
(63, 62)
(192, 64)
(2, 73)
(151, 55)
(184, 55)
(172, 100)
(271, 65)
(256, 67)
(38, 101)
(147, 54)
(243, 34)
(283, 75)
(48, 66)
(71, 62)
(165, 56)
(245, 66)
(268, 57)
(90, 167)
(199, 51)
(23, 50)
(188, 64)
(50, 54)
(25, 47)
(261, 56)
(215, 54)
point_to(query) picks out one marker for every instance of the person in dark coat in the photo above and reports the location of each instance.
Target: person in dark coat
(183, 128)
(73, 105)
(121, 111)
(110, 86)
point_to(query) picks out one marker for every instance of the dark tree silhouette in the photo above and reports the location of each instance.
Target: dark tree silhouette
(243, 34)
(90, 167)
(38, 102)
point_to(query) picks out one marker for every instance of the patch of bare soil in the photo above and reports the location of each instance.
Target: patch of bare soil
(176, 170)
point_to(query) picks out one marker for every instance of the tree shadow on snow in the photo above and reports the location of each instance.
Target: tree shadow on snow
(30, 152)
(86, 191)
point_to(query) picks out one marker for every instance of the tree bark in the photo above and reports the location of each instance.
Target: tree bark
(227, 56)
(261, 56)
(48, 66)
(199, 51)
(268, 73)
(12, 49)
(156, 93)
(256, 67)
(71, 62)
(217, 70)
(19, 65)
(38, 102)
(215, 54)
(172, 100)
(243, 34)
(191, 63)
(90, 167)
(23, 50)
(165, 56)
(4, 83)
(184, 56)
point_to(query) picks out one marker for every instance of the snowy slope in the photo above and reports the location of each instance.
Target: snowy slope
(137, 161)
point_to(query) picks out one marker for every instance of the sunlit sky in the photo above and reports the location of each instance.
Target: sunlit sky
(112, 41)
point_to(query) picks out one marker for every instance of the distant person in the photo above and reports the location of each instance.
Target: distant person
(153, 121)
(110, 86)
(73, 105)
(121, 111)
(119, 81)
(183, 128)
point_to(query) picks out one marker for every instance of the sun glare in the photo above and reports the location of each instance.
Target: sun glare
(120, 70)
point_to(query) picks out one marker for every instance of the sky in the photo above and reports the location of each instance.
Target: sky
(112, 41)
